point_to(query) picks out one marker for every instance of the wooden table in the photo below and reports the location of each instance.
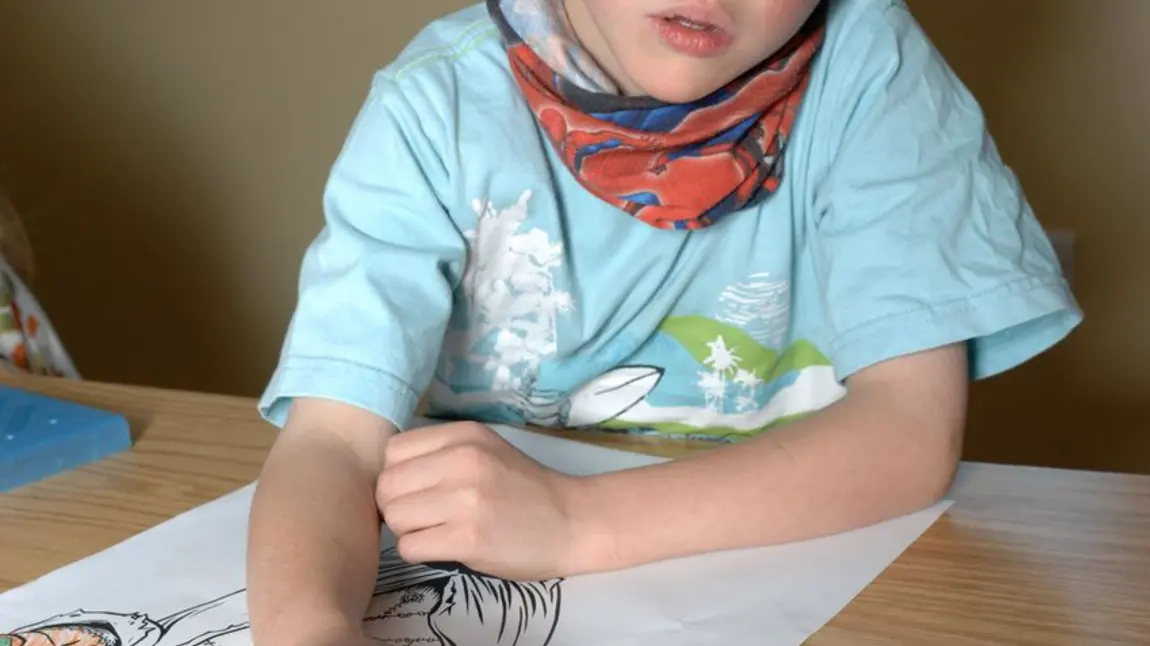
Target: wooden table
(1026, 555)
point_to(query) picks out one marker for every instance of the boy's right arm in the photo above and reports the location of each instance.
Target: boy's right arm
(314, 529)
(375, 295)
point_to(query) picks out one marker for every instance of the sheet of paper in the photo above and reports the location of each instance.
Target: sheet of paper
(182, 584)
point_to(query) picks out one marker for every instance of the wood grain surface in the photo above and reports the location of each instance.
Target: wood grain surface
(1025, 556)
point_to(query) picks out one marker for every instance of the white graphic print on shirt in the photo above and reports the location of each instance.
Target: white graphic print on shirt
(737, 375)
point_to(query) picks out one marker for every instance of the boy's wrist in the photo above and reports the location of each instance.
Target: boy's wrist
(594, 544)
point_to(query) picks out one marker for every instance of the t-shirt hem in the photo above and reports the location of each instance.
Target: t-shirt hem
(1005, 327)
(369, 388)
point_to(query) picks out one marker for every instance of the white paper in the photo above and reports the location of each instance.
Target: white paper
(181, 584)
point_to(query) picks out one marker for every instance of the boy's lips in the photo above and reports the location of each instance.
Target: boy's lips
(700, 14)
(698, 29)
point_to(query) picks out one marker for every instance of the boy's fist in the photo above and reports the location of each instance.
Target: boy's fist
(459, 492)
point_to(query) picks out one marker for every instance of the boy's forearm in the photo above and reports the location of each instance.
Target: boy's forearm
(314, 539)
(855, 463)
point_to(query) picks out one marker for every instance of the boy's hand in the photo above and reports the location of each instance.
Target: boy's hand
(459, 492)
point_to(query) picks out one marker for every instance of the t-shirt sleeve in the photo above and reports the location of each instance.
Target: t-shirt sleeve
(375, 286)
(922, 236)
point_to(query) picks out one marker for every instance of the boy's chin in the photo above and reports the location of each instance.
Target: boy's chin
(671, 87)
(680, 93)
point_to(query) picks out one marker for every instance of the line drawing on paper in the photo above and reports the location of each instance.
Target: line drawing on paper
(461, 607)
(438, 604)
(101, 628)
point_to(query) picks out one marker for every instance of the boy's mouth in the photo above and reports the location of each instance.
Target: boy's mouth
(695, 30)
(698, 18)
(691, 24)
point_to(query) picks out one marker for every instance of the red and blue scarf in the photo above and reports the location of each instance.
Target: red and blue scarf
(672, 166)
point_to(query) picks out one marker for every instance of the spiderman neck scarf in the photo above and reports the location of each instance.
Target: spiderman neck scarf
(672, 166)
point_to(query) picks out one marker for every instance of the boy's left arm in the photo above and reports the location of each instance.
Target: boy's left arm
(890, 446)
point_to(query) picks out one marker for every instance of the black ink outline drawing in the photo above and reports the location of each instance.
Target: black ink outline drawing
(464, 604)
(509, 612)
(134, 629)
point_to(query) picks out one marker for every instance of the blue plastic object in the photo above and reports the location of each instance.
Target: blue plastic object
(41, 436)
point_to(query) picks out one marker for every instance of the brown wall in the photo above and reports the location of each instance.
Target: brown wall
(169, 158)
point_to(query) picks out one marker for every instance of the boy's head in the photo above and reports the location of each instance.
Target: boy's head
(681, 50)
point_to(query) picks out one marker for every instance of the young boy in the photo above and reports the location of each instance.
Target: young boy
(777, 223)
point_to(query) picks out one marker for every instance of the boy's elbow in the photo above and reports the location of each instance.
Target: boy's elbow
(937, 486)
(936, 464)
(921, 402)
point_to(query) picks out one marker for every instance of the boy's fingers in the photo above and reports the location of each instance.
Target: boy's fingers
(413, 444)
(434, 544)
(422, 441)
(417, 511)
(419, 473)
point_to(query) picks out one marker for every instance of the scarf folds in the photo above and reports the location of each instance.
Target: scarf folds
(671, 166)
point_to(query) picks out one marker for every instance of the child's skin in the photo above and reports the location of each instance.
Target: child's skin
(457, 492)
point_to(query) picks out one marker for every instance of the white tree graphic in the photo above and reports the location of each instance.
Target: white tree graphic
(725, 372)
(510, 289)
(748, 382)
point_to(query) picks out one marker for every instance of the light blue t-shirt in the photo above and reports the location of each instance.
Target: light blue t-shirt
(462, 260)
